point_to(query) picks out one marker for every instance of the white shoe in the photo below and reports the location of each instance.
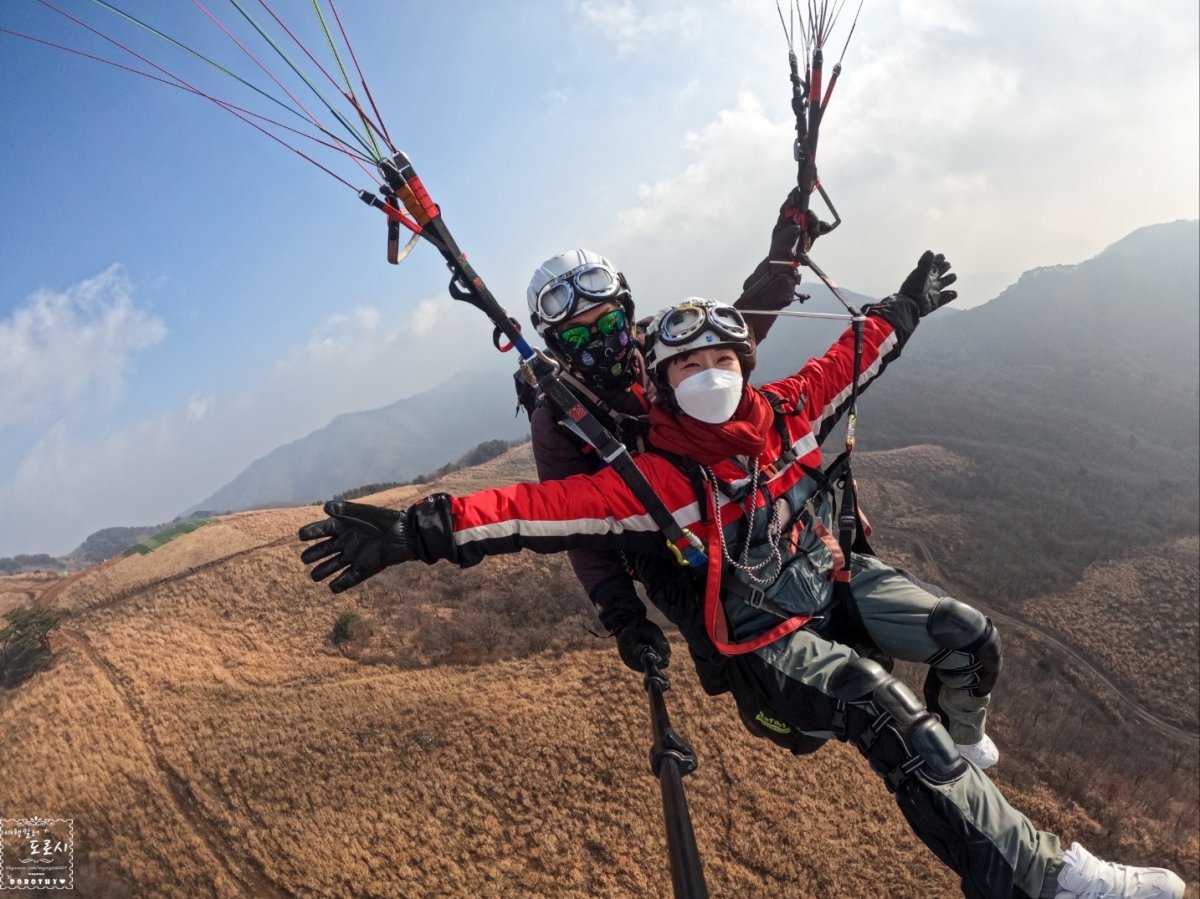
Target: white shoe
(1083, 876)
(984, 754)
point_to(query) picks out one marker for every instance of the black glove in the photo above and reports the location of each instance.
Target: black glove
(786, 227)
(635, 639)
(363, 539)
(786, 232)
(773, 283)
(928, 282)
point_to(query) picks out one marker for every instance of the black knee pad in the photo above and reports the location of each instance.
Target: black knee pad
(924, 743)
(857, 678)
(963, 629)
(943, 762)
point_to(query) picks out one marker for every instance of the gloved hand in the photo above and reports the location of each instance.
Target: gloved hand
(363, 540)
(928, 282)
(786, 227)
(773, 283)
(786, 232)
(639, 636)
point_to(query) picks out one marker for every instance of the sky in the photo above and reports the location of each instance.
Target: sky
(180, 294)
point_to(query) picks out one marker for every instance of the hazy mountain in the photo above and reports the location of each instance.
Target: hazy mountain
(395, 443)
(1112, 340)
(1076, 393)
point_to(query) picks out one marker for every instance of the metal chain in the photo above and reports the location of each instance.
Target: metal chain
(774, 531)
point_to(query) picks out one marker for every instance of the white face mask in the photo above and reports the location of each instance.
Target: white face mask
(711, 395)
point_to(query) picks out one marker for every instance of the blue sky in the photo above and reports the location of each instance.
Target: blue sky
(179, 295)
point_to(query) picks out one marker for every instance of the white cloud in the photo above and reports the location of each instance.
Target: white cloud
(72, 479)
(198, 407)
(629, 25)
(931, 15)
(710, 188)
(702, 229)
(59, 349)
(426, 317)
(1008, 149)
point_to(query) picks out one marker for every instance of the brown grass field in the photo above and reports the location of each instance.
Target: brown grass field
(209, 740)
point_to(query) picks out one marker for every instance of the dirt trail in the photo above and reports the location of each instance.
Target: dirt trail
(48, 597)
(242, 867)
(1045, 635)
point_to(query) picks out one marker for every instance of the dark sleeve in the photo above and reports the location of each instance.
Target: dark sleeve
(617, 603)
(557, 456)
(555, 453)
(770, 286)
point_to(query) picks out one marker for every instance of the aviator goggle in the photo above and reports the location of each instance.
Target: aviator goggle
(687, 320)
(559, 299)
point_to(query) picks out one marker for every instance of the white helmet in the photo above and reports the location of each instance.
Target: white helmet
(695, 324)
(573, 282)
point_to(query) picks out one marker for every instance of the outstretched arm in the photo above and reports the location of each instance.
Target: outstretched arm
(358, 540)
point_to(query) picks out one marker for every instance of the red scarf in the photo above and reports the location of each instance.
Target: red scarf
(745, 434)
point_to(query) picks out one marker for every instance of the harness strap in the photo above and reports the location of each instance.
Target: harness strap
(631, 430)
(752, 596)
(715, 622)
(838, 723)
(684, 546)
(841, 571)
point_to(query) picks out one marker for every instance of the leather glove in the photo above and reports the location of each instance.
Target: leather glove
(635, 639)
(786, 232)
(362, 539)
(927, 283)
(773, 283)
(786, 227)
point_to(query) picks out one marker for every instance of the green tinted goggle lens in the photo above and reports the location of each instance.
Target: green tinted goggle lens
(581, 335)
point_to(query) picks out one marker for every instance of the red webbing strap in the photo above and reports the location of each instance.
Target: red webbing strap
(714, 612)
(841, 571)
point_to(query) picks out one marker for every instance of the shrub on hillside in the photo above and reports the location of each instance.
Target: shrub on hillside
(484, 452)
(350, 631)
(25, 644)
(477, 455)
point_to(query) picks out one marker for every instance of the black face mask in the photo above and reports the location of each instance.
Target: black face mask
(604, 364)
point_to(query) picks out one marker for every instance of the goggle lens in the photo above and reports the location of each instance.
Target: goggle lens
(730, 320)
(556, 299)
(596, 281)
(608, 324)
(683, 322)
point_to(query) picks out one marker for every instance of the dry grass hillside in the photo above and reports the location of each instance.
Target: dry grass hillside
(1137, 617)
(473, 739)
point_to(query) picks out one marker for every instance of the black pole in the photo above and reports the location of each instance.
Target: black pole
(671, 759)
